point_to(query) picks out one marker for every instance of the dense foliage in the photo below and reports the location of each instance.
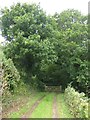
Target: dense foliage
(11, 76)
(78, 102)
(13, 90)
(47, 49)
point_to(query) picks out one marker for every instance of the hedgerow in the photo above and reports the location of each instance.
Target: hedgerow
(11, 76)
(77, 101)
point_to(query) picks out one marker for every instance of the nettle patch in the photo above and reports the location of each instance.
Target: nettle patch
(78, 102)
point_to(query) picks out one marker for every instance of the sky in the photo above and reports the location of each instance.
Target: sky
(51, 6)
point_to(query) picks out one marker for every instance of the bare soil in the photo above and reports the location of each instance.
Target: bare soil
(55, 110)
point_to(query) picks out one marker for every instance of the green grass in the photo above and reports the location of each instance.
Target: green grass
(26, 107)
(63, 108)
(44, 109)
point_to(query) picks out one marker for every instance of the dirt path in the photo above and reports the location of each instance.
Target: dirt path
(55, 110)
(28, 114)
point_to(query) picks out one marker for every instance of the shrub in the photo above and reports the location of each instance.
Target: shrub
(78, 102)
(11, 76)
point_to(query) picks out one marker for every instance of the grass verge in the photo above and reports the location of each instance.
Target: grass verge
(63, 109)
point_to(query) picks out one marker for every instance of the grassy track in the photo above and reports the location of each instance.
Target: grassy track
(26, 107)
(44, 110)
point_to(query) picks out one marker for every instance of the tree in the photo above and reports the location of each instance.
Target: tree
(47, 49)
(27, 29)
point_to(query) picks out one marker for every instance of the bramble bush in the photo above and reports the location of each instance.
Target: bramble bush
(77, 101)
